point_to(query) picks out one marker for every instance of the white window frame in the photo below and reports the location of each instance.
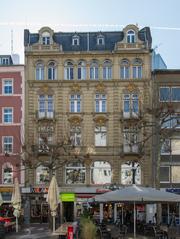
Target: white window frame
(130, 133)
(100, 132)
(127, 168)
(5, 166)
(94, 71)
(81, 70)
(75, 101)
(45, 111)
(46, 38)
(52, 69)
(100, 100)
(69, 71)
(173, 166)
(75, 40)
(131, 36)
(39, 71)
(12, 114)
(130, 98)
(83, 168)
(38, 173)
(100, 41)
(10, 85)
(75, 135)
(3, 144)
(137, 75)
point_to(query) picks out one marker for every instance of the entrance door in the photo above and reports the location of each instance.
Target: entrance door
(44, 212)
(68, 211)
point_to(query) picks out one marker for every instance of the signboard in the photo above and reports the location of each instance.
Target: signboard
(173, 190)
(6, 189)
(67, 197)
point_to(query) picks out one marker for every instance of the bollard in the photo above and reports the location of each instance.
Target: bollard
(70, 232)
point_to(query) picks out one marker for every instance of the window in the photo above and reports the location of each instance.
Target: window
(130, 139)
(169, 94)
(94, 75)
(171, 146)
(124, 69)
(171, 121)
(52, 71)
(175, 174)
(8, 115)
(107, 70)
(81, 70)
(175, 91)
(164, 174)
(100, 135)
(75, 173)
(40, 71)
(7, 174)
(69, 71)
(46, 38)
(100, 40)
(42, 175)
(137, 68)
(164, 94)
(7, 87)
(100, 103)
(75, 135)
(129, 170)
(7, 144)
(75, 103)
(5, 61)
(75, 40)
(130, 36)
(46, 106)
(131, 105)
(101, 173)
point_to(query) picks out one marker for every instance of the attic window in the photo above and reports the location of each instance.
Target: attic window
(130, 36)
(75, 41)
(100, 40)
(46, 38)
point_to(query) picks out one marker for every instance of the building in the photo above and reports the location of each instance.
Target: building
(11, 124)
(92, 88)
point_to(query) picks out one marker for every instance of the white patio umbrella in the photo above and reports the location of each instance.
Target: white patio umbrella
(16, 201)
(137, 194)
(1, 200)
(53, 198)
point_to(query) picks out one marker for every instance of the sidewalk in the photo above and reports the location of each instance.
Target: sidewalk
(33, 231)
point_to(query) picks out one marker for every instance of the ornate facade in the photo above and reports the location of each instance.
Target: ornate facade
(92, 88)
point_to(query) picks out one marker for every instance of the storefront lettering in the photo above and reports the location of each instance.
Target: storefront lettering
(39, 190)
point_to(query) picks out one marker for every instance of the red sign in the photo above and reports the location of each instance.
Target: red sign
(70, 232)
(102, 190)
(39, 190)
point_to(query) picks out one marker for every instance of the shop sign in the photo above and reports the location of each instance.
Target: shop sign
(173, 190)
(6, 189)
(39, 190)
(103, 190)
(68, 197)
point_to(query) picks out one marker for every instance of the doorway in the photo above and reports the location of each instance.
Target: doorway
(68, 211)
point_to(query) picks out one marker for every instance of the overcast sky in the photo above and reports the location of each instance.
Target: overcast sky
(162, 16)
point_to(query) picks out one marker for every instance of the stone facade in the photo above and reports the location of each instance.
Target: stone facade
(121, 53)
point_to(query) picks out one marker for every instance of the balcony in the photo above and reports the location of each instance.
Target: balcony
(48, 115)
(131, 115)
(134, 150)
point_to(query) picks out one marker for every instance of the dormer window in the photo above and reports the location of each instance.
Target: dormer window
(100, 40)
(46, 38)
(130, 36)
(75, 40)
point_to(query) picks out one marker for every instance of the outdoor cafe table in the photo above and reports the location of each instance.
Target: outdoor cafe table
(63, 229)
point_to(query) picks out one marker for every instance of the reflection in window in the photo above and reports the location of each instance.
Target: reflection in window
(169, 94)
(131, 105)
(100, 103)
(75, 135)
(75, 173)
(130, 139)
(75, 103)
(130, 36)
(137, 68)
(100, 135)
(7, 174)
(69, 71)
(124, 69)
(52, 71)
(81, 70)
(40, 71)
(94, 71)
(101, 173)
(175, 174)
(107, 70)
(127, 173)
(46, 38)
(171, 146)
(42, 174)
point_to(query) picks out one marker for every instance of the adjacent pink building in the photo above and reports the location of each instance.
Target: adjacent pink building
(11, 124)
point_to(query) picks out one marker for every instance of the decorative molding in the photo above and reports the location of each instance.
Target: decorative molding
(45, 89)
(131, 87)
(75, 87)
(100, 87)
(75, 120)
(100, 120)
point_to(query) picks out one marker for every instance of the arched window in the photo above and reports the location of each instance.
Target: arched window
(39, 71)
(130, 173)
(69, 71)
(52, 71)
(45, 38)
(101, 173)
(75, 173)
(100, 40)
(130, 36)
(107, 70)
(7, 173)
(94, 71)
(82, 70)
(75, 40)
(137, 68)
(42, 175)
(124, 69)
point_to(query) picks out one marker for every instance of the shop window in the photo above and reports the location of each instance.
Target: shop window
(42, 175)
(130, 170)
(101, 173)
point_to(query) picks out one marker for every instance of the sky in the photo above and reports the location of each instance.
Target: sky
(162, 16)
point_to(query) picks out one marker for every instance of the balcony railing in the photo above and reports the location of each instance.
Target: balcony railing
(45, 115)
(131, 115)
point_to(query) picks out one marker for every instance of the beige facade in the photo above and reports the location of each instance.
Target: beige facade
(111, 106)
